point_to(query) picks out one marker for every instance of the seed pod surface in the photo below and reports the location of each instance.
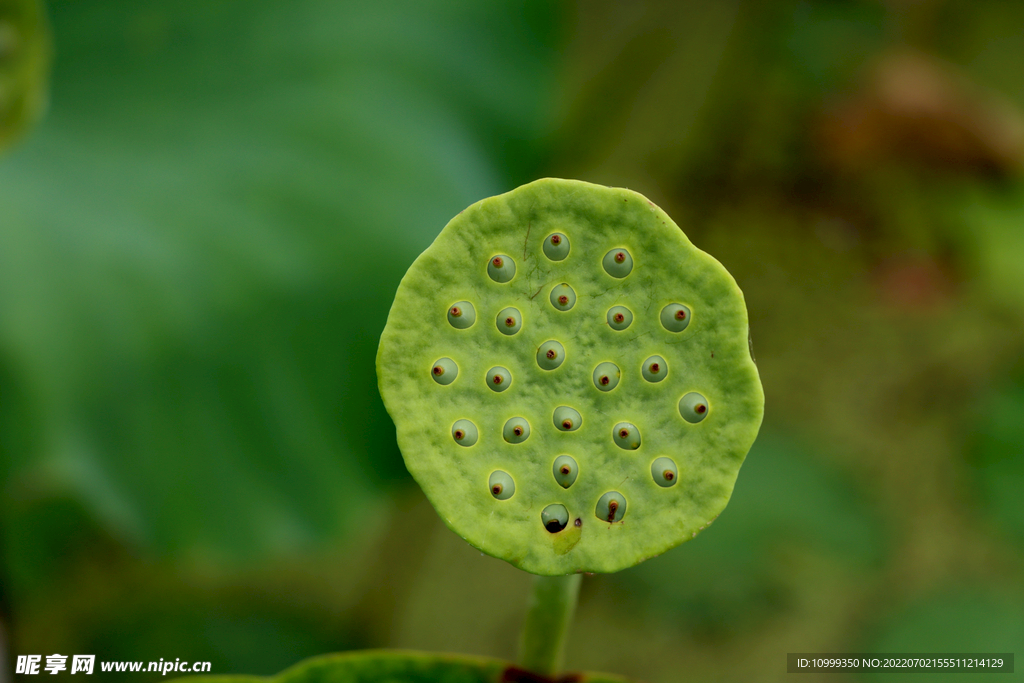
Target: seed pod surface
(627, 258)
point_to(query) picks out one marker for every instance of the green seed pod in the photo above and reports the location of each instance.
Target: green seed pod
(550, 355)
(606, 376)
(501, 485)
(675, 317)
(611, 507)
(554, 518)
(712, 356)
(654, 369)
(461, 315)
(499, 379)
(626, 436)
(444, 371)
(619, 318)
(508, 321)
(693, 407)
(565, 470)
(566, 419)
(562, 297)
(465, 433)
(618, 263)
(556, 246)
(516, 430)
(664, 472)
(501, 268)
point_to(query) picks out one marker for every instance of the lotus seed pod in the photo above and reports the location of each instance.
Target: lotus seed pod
(444, 371)
(654, 369)
(626, 436)
(501, 485)
(675, 317)
(566, 419)
(465, 433)
(499, 379)
(618, 263)
(501, 268)
(554, 518)
(556, 246)
(664, 472)
(508, 321)
(619, 318)
(562, 297)
(606, 376)
(565, 470)
(462, 315)
(611, 507)
(516, 430)
(711, 358)
(693, 407)
(550, 355)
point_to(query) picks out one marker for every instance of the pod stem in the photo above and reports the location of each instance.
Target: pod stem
(549, 612)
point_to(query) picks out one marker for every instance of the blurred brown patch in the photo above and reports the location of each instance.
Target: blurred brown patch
(914, 107)
(909, 283)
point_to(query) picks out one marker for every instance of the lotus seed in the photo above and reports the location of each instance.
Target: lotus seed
(444, 371)
(619, 318)
(554, 518)
(501, 485)
(461, 315)
(550, 355)
(693, 407)
(655, 369)
(499, 379)
(675, 317)
(563, 297)
(501, 268)
(664, 472)
(464, 432)
(626, 436)
(556, 246)
(567, 419)
(618, 263)
(509, 321)
(606, 376)
(565, 470)
(516, 430)
(611, 507)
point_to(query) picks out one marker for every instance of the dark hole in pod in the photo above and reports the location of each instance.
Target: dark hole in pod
(554, 526)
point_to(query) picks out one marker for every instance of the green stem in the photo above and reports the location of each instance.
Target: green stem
(552, 603)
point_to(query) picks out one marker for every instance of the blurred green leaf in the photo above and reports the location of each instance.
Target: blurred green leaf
(200, 246)
(383, 666)
(24, 66)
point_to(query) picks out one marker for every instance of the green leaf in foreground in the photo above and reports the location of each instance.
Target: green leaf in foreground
(382, 666)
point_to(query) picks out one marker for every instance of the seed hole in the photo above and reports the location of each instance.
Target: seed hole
(675, 317)
(501, 485)
(501, 268)
(461, 315)
(550, 355)
(444, 371)
(618, 263)
(606, 376)
(626, 436)
(554, 518)
(556, 246)
(565, 470)
(499, 379)
(693, 407)
(563, 297)
(464, 433)
(611, 507)
(567, 419)
(654, 369)
(664, 472)
(619, 318)
(509, 321)
(516, 430)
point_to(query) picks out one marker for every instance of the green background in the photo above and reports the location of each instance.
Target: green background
(201, 238)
